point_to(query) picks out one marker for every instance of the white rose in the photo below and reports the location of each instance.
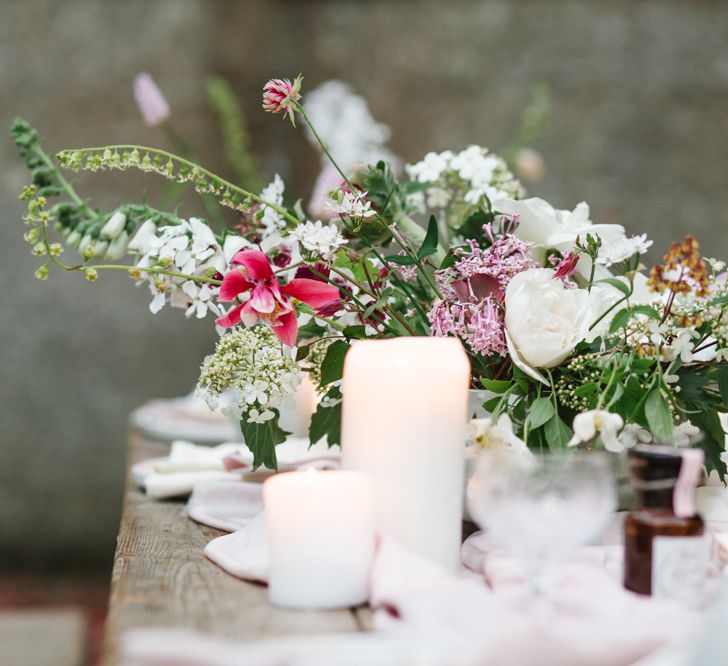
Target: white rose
(537, 220)
(544, 320)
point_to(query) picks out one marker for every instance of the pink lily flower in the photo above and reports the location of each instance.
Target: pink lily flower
(269, 301)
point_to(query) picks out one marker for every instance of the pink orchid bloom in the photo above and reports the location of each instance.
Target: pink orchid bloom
(268, 300)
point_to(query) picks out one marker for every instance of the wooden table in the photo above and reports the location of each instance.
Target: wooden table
(162, 579)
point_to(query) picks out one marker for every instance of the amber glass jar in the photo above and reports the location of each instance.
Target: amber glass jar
(666, 552)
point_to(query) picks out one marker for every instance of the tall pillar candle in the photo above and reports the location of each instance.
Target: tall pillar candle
(403, 424)
(321, 538)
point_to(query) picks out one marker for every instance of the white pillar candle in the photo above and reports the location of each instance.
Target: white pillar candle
(321, 538)
(296, 418)
(403, 424)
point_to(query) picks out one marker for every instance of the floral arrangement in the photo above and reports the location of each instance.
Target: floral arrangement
(576, 343)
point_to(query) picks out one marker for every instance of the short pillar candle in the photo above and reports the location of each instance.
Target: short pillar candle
(321, 538)
(403, 424)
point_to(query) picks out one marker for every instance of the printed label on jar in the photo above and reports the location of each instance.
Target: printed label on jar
(679, 568)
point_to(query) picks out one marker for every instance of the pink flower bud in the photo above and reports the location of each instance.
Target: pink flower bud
(150, 100)
(280, 96)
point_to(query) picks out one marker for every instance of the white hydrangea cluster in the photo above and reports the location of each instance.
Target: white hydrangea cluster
(464, 177)
(256, 367)
(317, 239)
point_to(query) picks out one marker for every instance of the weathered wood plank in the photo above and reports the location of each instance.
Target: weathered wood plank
(161, 578)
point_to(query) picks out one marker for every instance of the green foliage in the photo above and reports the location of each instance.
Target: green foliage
(658, 416)
(326, 421)
(234, 130)
(541, 410)
(332, 368)
(261, 439)
(557, 433)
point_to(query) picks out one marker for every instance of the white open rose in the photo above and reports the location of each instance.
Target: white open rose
(545, 321)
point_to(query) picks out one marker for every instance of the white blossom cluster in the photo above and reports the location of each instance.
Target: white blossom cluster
(623, 248)
(464, 177)
(189, 248)
(272, 221)
(256, 367)
(317, 239)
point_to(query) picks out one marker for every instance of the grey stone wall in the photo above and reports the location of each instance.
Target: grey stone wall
(639, 129)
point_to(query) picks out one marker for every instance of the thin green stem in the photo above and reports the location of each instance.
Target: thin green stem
(220, 182)
(122, 267)
(67, 187)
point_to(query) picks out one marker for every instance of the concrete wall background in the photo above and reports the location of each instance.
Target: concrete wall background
(639, 130)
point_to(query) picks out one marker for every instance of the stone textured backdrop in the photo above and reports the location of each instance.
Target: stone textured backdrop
(639, 129)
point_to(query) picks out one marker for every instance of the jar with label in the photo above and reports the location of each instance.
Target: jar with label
(666, 550)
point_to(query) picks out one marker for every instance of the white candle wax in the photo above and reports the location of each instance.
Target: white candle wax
(296, 418)
(321, 537)
(403, 424)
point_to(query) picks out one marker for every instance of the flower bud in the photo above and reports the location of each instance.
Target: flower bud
(100, 248)
(85, 242)
(143, 234)
(42, 272)
(74, 239)
(91, 274)
(117, 247)
(114, 226)
(32, 236)
(89, 252)
(55, 249)
(39, 249)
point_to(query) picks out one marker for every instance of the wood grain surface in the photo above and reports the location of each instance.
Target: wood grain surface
(162, 579)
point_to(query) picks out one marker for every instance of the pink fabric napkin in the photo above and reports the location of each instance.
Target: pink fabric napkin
(586, 618)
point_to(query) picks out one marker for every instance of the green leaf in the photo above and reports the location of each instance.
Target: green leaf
(472, 228)
(429, 244)
(647, 311)
(723, 383)
(355, 331)
(541, 410)
(659, 418)
(332, 368)
(326, 421)
(713, 441)
(261, 439)
(617, 284)
(302, 352)
(400, 260)
(496, 385)
(586, 389)
(558, 434)
(620, 320)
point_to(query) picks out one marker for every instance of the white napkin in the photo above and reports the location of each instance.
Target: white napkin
(225, 505)
(188, 464)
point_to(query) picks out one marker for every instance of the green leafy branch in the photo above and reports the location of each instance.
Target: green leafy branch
(171, 167)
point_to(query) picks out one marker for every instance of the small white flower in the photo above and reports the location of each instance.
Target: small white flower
(633, 434)
(254, 416)
(318, 238)
(623, 248)
(682, 346)
(352, 204)
(430, 168)
(438, 197)
(272, 220)
(598, 421)
(142, 235)
(496, 436)
(199, 299)
(685, 433)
